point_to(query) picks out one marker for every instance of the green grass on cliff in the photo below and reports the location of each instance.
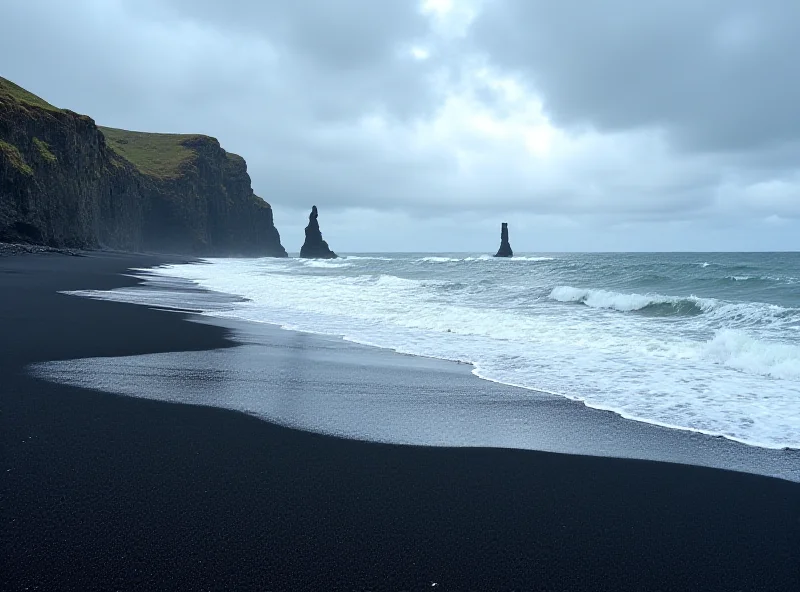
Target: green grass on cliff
(19, 94)
(157, 155)
(44, 150)
(14, 156)
(164, 156)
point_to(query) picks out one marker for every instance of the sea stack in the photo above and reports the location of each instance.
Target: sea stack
(505, 246)
(315, 247)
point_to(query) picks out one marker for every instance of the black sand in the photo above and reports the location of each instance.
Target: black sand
(111, 493)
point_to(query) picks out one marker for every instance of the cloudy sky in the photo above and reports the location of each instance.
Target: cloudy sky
(615, 125)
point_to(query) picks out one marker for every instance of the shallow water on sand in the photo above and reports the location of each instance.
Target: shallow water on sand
(327, 385)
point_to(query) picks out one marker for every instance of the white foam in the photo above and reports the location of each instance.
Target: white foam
(750, 314)
(714, 312)
(325, 263)
(437, 259)
(604, 298)
(623, 302)
(522, 258)
(480, 258)
(686, 372)
(441, 259)
(736, 349)
(763, 278)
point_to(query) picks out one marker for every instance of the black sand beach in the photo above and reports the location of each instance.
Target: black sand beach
(102, 492)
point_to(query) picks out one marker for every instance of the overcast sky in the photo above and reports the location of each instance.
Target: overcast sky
(615, 125)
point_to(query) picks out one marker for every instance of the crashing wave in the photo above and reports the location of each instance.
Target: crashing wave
(730, 314)
(736, 349)
(633, 302)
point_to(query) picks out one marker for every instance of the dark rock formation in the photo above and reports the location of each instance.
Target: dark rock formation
(315, 247)
(505, 246)
(7, 249)
(64, 182)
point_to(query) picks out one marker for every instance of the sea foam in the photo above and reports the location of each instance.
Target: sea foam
(629, 302)
(701, 363)
(736, 349)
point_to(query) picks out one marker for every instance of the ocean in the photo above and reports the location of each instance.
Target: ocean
(701, 342)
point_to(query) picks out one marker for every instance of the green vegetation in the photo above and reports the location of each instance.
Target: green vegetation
(44, 150)
(157, 155)
(235, 158)
(19, 94)
(164, 156)
(13, 155)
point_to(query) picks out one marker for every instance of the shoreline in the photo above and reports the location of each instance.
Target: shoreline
(103, 491)
(475, 371)
(719, 382)
(592, 431)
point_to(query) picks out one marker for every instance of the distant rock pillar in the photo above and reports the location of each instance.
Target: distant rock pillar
(505, 246)
(315, 247)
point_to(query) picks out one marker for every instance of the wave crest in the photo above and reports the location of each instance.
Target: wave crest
(654, 303)
(738, 350)
(483, 258)
(730, 314)
(324, 263)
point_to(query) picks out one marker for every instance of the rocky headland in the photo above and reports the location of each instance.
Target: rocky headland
(67, 183)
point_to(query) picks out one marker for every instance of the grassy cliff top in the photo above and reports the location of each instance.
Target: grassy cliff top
(19, 94)
(157, 155)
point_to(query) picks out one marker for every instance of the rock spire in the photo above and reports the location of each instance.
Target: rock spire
(505, 246)
(315, 247)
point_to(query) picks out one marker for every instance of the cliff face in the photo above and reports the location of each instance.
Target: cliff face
(64, 182)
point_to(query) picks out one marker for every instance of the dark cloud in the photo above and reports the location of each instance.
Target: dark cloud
(343, 35)
(718, 74)
(347, 56)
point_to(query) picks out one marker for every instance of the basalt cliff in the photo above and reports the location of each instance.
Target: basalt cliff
(65, 182)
